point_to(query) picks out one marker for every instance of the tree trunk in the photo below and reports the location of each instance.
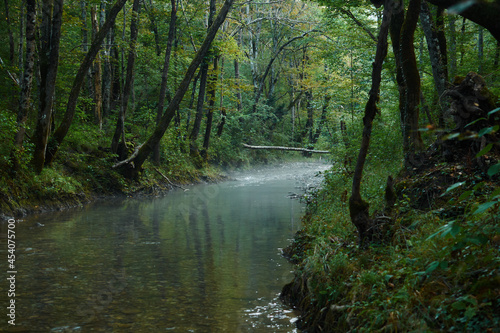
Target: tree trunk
(310, 116)
(439, 71)
(119, 136)
(9, 32)
(107, 75)
(480, 52)
(154, 26)
(411, 135)
(238, 89)
(63, 129)
(160, 129)
(453, 47)
(497, 56)
(322, 120)
(193, 147)
(358, 208)
(211, 108)
(97, 75)
(49, 61)
(164, 76)
(191, 102)
(27, 78)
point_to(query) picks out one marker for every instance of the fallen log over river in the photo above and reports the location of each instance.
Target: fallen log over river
(287, 148)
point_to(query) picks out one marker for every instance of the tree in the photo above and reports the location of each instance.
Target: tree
(164, 76)
(193, 148)
(147, 147)
(358, 208)
(118, 144)
(48, 61)
(62, 130)
(27, 78)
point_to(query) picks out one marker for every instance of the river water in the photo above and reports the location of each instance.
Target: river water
(203, 260)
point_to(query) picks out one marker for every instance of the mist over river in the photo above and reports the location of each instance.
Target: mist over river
(203, 260)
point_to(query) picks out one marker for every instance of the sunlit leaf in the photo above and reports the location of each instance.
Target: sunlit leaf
(452, 187)
(493, 111)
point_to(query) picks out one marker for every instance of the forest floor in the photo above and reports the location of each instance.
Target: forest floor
(435, 266)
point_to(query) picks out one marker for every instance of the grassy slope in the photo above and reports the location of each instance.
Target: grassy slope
(437, 268)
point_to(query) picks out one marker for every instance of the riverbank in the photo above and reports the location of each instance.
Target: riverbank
(65, 186)
(84, 178)
(436, 266)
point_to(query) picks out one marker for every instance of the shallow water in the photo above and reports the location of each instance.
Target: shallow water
(204, 260)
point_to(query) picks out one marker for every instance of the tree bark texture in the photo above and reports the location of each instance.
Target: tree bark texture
(63, 128)
(358, 208)
(96, 74)
(412, 140)
(27, 77)
(48, 62)
(439, 71)
(119, 136)
(164, 75)
(160, 129)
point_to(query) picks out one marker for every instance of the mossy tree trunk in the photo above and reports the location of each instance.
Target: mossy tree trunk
(358, 208)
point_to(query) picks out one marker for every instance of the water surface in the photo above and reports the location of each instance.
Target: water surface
(204, 260)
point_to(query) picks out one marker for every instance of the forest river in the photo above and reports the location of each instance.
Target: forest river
(203, 260)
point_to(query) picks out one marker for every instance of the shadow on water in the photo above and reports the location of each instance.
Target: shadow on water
(205, 260)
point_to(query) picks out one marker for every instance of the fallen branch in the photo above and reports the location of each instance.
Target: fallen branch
(287, 148)
(168, 180)
(128, 160)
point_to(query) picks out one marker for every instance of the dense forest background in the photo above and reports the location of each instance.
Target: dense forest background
(87, 82)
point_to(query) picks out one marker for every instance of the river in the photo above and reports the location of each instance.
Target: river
(203, 260)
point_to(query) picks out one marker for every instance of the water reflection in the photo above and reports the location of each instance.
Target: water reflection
(205, 260)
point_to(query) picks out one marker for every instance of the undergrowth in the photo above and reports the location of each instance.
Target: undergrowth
(436, 269)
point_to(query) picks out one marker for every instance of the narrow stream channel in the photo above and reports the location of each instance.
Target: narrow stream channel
(204, 260)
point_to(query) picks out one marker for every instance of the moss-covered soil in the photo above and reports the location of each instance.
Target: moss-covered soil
(435, 268)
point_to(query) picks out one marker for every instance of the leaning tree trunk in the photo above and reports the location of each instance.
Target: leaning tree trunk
(160, 129)
(49, 61)
(164, 75)
(63, 129)
(358, 208)
(119, 136)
